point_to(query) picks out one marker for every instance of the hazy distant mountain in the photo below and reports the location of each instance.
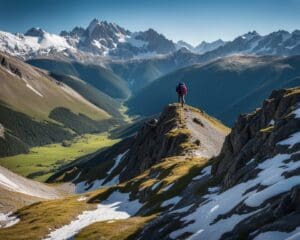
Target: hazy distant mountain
(279, 43)
(204, 47)
(140, 72)
(224, 88)
(276, 43)
(181, 44)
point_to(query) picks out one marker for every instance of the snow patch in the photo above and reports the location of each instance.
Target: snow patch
(154, 186)
(291, 141)
(297, 112)
(82, 198)
(112, 182)
(271, 176)
(117, 161)
(78, 175)
(172, 201)
(168, 187)
(204, 172)
(117, 206)
(8, 220)
(131, 40)
(285, 185)
(276, 235)
(84, 186)
(251, 161)
(182, 210)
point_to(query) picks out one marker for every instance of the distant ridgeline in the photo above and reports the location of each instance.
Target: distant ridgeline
(224, 88)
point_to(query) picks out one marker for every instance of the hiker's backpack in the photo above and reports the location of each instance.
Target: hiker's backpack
(181, 89)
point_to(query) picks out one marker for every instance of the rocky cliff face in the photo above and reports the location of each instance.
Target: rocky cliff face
(252, 189)
(256, 135)
(154, 142)
(177, 132)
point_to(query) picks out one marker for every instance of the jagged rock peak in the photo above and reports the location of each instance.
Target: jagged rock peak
(179, 131)
(256, 135)
(35, 32)
(76, 32)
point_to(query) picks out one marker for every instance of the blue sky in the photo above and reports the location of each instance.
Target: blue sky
(190, 20)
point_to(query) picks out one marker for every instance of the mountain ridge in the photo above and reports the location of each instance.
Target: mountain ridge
(246, 191)
(255, 76)
(36, 109)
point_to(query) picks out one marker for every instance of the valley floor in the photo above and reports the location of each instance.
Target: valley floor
(42, 161)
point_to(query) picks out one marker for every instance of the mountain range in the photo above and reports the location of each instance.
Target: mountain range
(109, 40)
(203, 47)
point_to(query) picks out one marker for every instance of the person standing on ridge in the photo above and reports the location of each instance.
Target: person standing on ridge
(181, 90)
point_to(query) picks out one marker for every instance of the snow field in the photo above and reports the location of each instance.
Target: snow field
(270, 176)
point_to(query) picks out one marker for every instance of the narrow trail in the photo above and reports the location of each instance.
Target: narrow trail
(204, 132)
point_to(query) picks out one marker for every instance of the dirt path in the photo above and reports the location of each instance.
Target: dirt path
(209, 136)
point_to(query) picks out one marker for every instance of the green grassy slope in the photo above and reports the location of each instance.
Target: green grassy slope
(35, 109)
(33, 92)
(96, 75)
(92, 94)
(23, 132)
(224, 88)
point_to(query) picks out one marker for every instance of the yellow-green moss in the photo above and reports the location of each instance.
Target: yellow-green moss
(267, 129)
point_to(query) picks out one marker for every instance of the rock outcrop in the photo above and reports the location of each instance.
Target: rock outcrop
(252, 190)
(255, 135)
(178, 132)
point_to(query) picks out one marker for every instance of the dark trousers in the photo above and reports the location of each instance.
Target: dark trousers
(181, 99)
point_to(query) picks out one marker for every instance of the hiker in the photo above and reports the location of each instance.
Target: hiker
(181, 92)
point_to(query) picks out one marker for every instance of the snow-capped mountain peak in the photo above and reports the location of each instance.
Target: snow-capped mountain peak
(206, 46)
(36, 42)
(181, 44)
(35, 32)
(250, 35)
(109, 40)
(93, 24)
